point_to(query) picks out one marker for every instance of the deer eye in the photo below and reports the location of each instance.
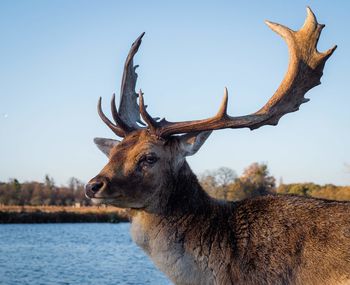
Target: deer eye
(148, 160)
(151, 159)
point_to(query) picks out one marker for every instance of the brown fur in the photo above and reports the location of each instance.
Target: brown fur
(266, 240)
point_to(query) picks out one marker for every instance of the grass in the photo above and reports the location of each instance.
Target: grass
(61, 214)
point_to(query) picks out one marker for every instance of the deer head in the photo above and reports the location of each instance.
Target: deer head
(140, 167)
(153, 151)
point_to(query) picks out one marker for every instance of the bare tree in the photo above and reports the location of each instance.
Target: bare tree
(217, 182)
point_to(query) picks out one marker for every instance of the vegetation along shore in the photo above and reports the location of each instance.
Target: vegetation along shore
(61, 214)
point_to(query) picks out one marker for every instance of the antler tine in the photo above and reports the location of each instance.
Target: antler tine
(151, 123)
(128, 108)
(117, 118)
(117, 130)
(304, 72)
(222, 113)
(219, 121)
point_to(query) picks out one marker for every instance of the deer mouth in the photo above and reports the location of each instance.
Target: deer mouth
(105, 200)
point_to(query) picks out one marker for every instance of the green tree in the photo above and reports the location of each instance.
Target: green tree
(257, 181)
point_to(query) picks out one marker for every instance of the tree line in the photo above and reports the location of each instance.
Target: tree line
(46, 193)
(222, 183)
(256, 180)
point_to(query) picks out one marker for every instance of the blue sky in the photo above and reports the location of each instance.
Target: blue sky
(58, 57)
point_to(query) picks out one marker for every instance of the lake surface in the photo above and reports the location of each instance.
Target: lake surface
(68, 254)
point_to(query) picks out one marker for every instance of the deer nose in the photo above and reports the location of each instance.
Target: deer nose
(93, 187)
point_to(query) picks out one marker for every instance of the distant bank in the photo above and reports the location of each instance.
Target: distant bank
(58, 214)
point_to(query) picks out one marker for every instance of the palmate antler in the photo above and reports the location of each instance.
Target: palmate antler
(304, 72)
(128, 116)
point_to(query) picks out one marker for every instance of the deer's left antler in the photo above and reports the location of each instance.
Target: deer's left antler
(304, 72)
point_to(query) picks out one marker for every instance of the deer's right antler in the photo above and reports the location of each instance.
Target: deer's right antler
(128, 116)
(304, 72)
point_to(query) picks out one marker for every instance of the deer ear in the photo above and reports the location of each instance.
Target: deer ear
(105, 145)
(191, 143)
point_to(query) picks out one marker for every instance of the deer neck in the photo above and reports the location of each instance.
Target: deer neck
(182, 197)
(161, 232)
(187, 195)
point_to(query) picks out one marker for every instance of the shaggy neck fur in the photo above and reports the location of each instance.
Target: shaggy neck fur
(183, 194)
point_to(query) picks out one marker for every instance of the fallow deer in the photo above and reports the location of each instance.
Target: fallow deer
(195, 239)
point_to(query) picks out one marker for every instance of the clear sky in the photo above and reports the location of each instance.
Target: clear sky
(58, 57)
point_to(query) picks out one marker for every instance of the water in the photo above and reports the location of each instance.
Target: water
(67, 254)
